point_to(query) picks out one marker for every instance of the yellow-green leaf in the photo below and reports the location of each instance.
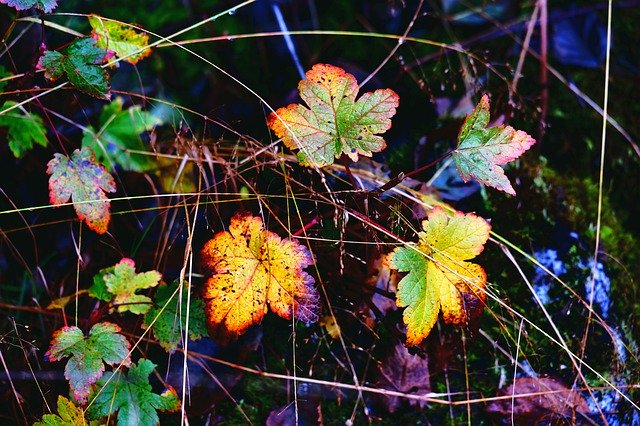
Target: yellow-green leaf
(439, 277)
(68, 415)
(254, 268)
(121, 39)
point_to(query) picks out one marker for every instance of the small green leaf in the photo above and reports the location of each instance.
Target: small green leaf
(171, 322)
(120, 283)
(68, 415)
(23, 129)
(335, 123)
(120, 132)
(81, 64)
(132, 397)
(88, 355)
(121, 39)
(85, 182)
(44, 5)
(481, 151)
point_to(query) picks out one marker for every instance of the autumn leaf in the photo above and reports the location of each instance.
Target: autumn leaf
(120, 132)
(335, 123)
(481, 151)
(119, 284)
(88, 355)
(24, 129)
(439, 278)
(119, 38)
(44, 5)
(169, 316)
(85, 182)
(68, 415)
(253, 267)
(131, 396)
(81, 64)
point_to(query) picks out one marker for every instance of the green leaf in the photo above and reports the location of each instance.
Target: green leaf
(3, 74)
(132, 397)
(439, 278)
(45, 5)
(119, 132)
(335, 123)
(23, 129)
(120, 283)
(123, 40)
(85, 182)
(88, 355)
(68, 415)
(171, 322)
(481, 151)
(81, 64)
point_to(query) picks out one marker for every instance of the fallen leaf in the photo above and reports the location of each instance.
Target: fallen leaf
(121, 39)
(131, 396)
(551, 403)
(85, 182)
(482, 150)
(62, 302)
(68, 415)
(24, 129)
(402, 372)
(119, 132)
(88, 355)
(253, 268)
(81, 64)
(169, 316)
(335, 123)
(439, 278)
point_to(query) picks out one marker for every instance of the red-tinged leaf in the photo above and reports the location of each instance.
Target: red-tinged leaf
(253, 268)
(44, 5)
(482, 150)
(88, 355)
(335, 123)
(80, 62)
(119, 38)
(85, 182)
(439, 277)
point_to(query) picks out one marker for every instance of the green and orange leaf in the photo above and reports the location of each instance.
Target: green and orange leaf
(85, 182)
(334, 122)
(88, 355)
(482, 150)
(68, 415)
(252, 269)
(121, 39)
(439, 277)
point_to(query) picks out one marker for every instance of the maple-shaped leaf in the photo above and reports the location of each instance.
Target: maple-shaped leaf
(44, 5)
(131, 396)
(253, 268)
(85, 182)
(23, 129)
(68, 415)
(335, 123)
(80, 62)
(443, 280)
(118, 133)
(119, 38)
(119, 284)
(169, 311)
(482, 150)
(88, 355)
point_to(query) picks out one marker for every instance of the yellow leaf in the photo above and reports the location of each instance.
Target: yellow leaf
(253, 268)
(439, 277)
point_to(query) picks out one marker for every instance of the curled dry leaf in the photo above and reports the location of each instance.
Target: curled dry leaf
(253, 268)
(439, 277)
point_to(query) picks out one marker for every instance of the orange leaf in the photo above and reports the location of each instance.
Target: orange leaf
(253, 267)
